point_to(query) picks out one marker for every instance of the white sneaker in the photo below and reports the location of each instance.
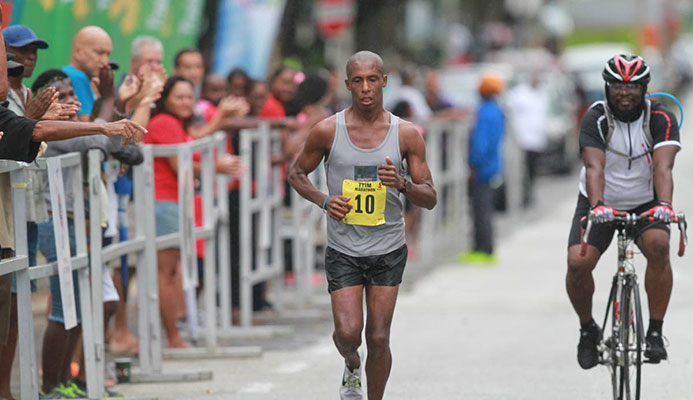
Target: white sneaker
(351, 383)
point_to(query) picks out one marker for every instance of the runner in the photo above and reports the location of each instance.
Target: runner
(364, 147)
(628, 146)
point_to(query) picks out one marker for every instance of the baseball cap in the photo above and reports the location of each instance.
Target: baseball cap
(22, 35)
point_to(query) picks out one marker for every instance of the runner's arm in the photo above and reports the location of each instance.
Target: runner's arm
(594, 160)
(315, 149)
(422, 192)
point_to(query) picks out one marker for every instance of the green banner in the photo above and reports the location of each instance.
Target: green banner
(175, 22)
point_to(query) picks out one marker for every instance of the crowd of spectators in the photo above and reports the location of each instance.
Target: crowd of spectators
(79, 106)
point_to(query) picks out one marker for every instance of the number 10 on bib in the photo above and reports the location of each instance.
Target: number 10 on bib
(367, 202)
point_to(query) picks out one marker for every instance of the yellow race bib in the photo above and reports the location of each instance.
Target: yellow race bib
(367, 202)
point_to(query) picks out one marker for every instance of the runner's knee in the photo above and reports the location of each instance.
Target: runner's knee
(348, 336)
(377, 338)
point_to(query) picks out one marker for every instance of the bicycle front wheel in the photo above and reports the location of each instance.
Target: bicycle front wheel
(631, 342)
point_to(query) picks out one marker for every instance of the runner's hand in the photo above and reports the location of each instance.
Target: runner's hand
(388, 174)
(662, 212)
(338, 207)
(603, 214)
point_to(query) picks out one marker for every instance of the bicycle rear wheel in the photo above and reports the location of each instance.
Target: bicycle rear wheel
(631, 342)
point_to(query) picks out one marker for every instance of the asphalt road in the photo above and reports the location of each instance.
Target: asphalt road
(464, 332)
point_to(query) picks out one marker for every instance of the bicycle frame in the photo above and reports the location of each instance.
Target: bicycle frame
(623, 351)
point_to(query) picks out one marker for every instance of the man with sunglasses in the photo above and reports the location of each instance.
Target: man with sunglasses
(628, 146)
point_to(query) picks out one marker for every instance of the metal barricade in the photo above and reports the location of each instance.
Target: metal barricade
(79, 262)
(214, 191)
(19, 265)
(305, 221)
(446, 157)
(260, 206)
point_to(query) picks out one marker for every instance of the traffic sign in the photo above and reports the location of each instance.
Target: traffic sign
(334, 17)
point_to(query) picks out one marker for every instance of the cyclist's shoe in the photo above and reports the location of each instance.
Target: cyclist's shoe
(351, 384)
(655, 350)
(588, 355)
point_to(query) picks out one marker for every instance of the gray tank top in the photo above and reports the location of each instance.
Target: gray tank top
(354, 170)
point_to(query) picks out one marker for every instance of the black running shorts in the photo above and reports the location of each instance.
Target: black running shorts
(384, 270)
(601, 234)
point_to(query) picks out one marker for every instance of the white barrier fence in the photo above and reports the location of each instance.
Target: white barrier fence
(264, 224)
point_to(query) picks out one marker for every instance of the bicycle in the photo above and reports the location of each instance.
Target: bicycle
(622, 352)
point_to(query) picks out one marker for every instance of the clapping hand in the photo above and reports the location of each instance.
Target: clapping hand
(231, 165)
(234, 107)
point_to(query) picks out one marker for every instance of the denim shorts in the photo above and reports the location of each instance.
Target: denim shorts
(166, 213)
(46, 245)
(32, 243)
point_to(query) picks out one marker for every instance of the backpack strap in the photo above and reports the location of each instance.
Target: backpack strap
(646, 125)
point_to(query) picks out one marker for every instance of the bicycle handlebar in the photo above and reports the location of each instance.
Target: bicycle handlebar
(630, 219)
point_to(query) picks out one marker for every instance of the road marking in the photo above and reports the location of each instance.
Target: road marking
(257, 387)
(292, 367)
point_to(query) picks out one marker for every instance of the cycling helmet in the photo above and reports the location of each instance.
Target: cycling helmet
(626, 68)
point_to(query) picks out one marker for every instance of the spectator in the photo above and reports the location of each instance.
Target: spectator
(407, 92)
(256, 95)
(434, 98)
(173, 117)
(145, 80)
(91, 48)
(282, 88)
(485, 165)
(188, 63)
(213, 92)
(59, 344)
(238, 81)
(528, 106)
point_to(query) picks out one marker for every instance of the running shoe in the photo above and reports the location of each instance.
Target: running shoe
(351, 383)
(655, 350)
(588, 355)
(61, 392)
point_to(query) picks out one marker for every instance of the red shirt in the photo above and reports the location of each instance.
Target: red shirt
(165, 129)
(273, 108)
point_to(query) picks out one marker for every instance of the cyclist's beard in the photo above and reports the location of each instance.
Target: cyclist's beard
(626, 116)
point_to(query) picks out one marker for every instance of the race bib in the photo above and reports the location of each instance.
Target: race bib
(367, 197)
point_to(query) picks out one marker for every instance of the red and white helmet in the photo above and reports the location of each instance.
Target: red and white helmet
(626, 68)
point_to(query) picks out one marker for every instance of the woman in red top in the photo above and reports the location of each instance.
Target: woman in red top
(172, 118)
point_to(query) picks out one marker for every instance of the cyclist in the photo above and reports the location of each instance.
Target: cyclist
(628, 145)
(364, 147)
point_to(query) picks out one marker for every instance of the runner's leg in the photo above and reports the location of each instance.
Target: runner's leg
(347, 311)
(380, 303)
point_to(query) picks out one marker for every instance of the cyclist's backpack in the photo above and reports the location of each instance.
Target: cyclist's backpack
(645, 128)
